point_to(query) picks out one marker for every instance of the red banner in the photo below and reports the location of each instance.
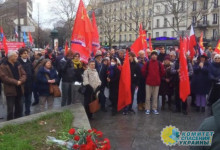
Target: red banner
(12, 46)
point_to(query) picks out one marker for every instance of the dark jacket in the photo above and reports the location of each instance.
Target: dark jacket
(43, 81)
(103, 75)
(214, 72)
(114, 75)
(211, 124)
(27, 66)
(10, 83)
(200, 83)
(161, 57)
(79, 72)
(135, 73)
(66, 70)
(153, 72)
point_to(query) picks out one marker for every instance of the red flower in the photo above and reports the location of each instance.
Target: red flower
(75, 146)
(99, 134)
(88, 138)
(90, 131)
(76, 138)
(72, 131)
(94, 130)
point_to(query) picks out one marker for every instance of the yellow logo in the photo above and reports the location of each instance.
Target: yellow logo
(170, 135)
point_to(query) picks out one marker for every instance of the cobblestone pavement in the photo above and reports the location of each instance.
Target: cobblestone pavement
(136, 131)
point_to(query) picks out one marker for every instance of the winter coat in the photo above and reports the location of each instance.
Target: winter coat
(9, 81)
(161, 57)
(42, 80)
(66, 70)
(78, 71)
(103, 75)
(211, 124)
(91, 77)
(166, 88)
(36, 66)
(174, 72)
(141, 86)
(153, 72)
(200, 83)
(27, 66)
(135, 73)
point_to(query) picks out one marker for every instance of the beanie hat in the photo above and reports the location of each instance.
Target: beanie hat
(154, 53)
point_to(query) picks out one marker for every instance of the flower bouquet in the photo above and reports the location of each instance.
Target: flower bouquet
(81, 139)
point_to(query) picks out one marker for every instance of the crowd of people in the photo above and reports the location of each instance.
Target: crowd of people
(153, 74)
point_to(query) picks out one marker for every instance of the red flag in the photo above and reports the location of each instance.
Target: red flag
(124, 93)
(140, 43)
(95, 35)
(201, 42)
(66, 48)
(150, 44)
(184, 87)
(4, 42)
(30, 38)
(81, 40)
(192, 42)
(217, 49)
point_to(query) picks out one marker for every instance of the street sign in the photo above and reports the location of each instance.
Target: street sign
(27, 29)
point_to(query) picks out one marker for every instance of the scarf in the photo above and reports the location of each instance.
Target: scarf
(77, 64)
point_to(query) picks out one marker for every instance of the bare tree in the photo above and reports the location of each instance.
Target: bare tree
(64, 11)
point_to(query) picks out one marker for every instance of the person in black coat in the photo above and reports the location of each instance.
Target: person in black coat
(214, 75)
(103, 77)
(135, 77)
(67, 74)
(113, 80)
(28, 86)
(162, 55)
(46, 75)
(200, 85)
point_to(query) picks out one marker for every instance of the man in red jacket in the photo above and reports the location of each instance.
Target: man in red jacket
(153, 71)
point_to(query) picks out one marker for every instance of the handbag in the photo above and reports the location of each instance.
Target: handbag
(53, 88)
(94, 106)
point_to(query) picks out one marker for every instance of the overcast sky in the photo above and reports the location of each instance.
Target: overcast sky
(44, 12)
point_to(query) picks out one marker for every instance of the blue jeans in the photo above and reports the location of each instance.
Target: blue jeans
(27, 101)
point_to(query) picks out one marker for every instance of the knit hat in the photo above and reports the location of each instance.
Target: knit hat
(204, 55)
(11, 53)
(154, 53)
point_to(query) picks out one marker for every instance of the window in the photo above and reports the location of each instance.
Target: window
(130, 37)
(158, 23)
(205, 4)
(149, 24)
(215, 3)
(173, 21)
(166, 9)
(194, 5)
(120, 27)
(204, 19)
(165, 33)
(119, 38)
(157, 34)
(215, 18)
(182, 6)
(130, 15)
(150, 1)
(125, 27)
(158, 9)
(194, 20)
(114, 27)
(165, 22)
(125, 37)
(150, 12)
(130, 26)
(215, 34)
(125, 16)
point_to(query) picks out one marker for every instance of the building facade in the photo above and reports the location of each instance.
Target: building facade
(118, 20)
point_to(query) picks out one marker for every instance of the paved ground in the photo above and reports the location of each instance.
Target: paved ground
(138, 131)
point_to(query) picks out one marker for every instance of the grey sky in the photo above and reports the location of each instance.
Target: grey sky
(44, 12)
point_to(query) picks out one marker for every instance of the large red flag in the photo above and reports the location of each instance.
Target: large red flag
(66, 48)
(150, 44)
(124, 93)
(192, 42)
(30, 38)
(95, 35)
(217, 49)
(184, 87)
(81, 40)
(140, 43)
(4, 42)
